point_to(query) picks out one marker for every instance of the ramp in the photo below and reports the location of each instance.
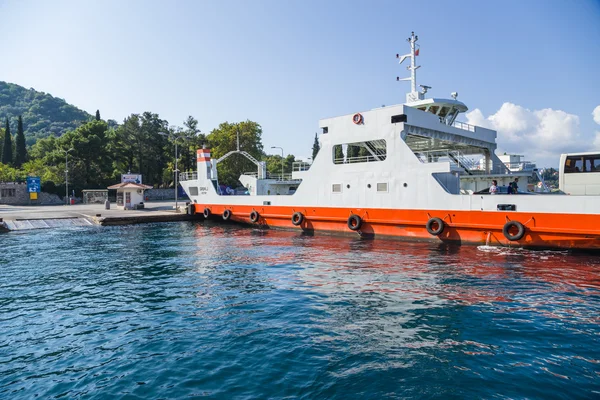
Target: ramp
(29, 224)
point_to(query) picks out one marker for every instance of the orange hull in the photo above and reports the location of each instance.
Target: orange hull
(542, 230)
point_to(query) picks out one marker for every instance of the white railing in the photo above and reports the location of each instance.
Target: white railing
(279, 177)
(464, 126)
(521, 166)
(188, 176)
(300, 166)
(359, 159)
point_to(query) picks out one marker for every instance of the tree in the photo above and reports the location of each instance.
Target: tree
(193, 140)
(316, 147)
(89, 162)
(97, 115)
(7, 150)
(224, 139)
(21, 151)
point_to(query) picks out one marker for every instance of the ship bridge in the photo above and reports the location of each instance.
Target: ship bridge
(434, 134)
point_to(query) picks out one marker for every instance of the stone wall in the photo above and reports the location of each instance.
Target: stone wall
(95, 196)
(16, 193)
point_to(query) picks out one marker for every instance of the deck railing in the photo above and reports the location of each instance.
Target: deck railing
(464, 126)
(188, 176)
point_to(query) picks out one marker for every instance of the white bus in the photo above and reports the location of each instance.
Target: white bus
(580, 173)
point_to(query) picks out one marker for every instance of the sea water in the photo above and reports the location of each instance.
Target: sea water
(187, 310)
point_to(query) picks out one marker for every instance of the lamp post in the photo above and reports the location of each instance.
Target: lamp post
(175, 139)
(67, 174)
(280, 148)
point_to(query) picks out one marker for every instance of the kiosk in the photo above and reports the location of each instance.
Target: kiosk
(130, 195)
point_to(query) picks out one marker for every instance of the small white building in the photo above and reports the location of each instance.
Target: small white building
(130, 195)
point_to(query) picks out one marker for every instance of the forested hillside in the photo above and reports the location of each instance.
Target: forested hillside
(43, 115)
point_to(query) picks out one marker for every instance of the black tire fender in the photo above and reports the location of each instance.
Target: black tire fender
(254, 216)
(297, 218)
(433, 222)
(206, 213)
(226, 215)
(513, 224)
(354, 222)
(191, 209)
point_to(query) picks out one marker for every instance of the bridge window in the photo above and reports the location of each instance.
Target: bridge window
(360, 152)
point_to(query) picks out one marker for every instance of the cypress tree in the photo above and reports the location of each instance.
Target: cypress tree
(21, 152)
(7, 149)
(97, 115)
(316, 147)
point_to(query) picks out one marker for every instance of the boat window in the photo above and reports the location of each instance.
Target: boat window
(398, 118)
(360, 152)
(336, 188)
(382, 187)
(193, 191)
(443, 112)
(434, 109)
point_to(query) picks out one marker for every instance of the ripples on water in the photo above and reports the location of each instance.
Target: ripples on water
(179, 310)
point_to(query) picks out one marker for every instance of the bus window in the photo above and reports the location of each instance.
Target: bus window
(573, 164)
(592, 163)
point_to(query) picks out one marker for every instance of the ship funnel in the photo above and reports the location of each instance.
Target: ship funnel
(204, 163)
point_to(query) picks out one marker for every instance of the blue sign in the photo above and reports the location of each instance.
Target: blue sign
(33, 184)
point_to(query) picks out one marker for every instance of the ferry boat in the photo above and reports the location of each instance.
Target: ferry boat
(399, 174)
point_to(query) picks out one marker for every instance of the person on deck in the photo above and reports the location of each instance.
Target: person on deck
(515, 186)
(494, 187)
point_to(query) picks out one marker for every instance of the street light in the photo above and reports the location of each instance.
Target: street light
(280, 148)
(67, 174)
(175, 138)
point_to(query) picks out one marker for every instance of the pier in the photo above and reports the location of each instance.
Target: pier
(19, 218)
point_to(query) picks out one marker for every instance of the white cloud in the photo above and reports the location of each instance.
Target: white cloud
(596, 144)
(596, 115)
(541, 135)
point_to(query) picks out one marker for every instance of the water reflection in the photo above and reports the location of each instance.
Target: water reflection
(174, 310)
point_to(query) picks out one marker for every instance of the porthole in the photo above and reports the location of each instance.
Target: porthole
(348, 186)
(405, 185)
(369, 186)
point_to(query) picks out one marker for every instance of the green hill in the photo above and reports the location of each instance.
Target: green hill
(43, 114)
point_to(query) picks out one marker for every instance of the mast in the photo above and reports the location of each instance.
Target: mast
(414, 52)
(413, 69)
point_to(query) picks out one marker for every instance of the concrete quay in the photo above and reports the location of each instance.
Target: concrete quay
(39, 217)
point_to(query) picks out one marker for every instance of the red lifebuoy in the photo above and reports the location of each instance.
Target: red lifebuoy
(357, 118)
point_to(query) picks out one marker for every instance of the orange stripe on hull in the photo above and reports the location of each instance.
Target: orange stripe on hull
(543, 230)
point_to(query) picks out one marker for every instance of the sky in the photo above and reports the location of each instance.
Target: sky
(529, 69)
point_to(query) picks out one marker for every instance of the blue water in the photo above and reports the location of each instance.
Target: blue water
(184, 310)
